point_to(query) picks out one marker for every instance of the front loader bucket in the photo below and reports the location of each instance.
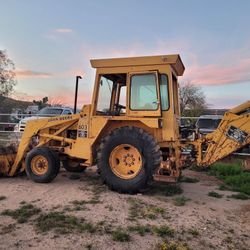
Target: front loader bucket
(7, 158)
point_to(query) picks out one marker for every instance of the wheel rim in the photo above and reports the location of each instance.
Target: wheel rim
(125, 161)
(39, 165)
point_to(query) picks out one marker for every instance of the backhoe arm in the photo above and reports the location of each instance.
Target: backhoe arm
(232, 134)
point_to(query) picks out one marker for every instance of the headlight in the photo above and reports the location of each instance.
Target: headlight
(16, 128)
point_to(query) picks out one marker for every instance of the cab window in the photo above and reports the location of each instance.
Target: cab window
(164, 92)
(105, 92)
(143, 92)
(112, 94)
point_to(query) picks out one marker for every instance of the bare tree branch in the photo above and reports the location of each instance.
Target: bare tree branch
(192, 100)
(7, 74)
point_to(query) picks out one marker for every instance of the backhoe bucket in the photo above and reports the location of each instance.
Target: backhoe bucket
(7, 158)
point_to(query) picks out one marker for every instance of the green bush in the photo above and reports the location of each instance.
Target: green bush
(164, 231)
(233, 176)
(223, 170)
(22, 214)
(240, 183)
(239, 196)
(120, 235)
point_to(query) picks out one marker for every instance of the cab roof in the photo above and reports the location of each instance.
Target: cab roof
(173, 60)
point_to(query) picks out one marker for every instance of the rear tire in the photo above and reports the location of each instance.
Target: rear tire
(73, 166)
(112, 159)
(42, 165)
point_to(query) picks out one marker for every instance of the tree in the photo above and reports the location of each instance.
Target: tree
(7, 74)
(42, 103)
(192, 100)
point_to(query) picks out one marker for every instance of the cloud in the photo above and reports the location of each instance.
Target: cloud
(32, 74)
(228, 101)
(215, 74)
(63, 30)
(228, 68)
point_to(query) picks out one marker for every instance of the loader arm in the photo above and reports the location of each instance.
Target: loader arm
(232, 134)
(9, 163)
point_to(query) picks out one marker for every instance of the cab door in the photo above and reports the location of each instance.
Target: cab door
(143, 94)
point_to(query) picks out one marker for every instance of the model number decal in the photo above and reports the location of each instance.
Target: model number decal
(82, 131)
(61, 118)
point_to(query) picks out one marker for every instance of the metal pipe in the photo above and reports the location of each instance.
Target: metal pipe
(76, 92)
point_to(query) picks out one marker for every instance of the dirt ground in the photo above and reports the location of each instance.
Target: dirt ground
(193, 219)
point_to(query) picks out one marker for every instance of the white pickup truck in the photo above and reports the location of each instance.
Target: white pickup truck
(45, 112)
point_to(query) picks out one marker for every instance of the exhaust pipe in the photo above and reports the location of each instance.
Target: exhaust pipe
(76, 92)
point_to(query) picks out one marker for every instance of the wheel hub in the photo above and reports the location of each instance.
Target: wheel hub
(39, 165)
(125, 161)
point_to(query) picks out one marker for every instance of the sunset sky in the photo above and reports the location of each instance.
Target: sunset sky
(52, 41)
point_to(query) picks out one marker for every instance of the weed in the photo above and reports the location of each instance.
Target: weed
(221, 169)
(120, 235)
(239, 196)
(62, 223)
(188, 179)
(2, 197)
(140, 229)
(95, 199)
(164, 231)
(140, 210)
(172, 190)
(164, 189)
(23, 213)
(180, 200)
(239, 183)
(194, 232)
(215, 195)
(233, 176)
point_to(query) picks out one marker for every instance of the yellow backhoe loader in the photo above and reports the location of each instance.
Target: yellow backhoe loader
(130, 130)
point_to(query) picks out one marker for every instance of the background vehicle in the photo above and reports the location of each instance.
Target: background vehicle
(45, 112)
(208, 123)
(131, 143)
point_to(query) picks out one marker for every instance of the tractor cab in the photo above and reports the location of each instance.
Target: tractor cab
(139, 87)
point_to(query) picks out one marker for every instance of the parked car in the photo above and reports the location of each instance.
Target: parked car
(45, 112)
(208, 123)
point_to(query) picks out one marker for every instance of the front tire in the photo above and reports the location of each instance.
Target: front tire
(127, 159)
(42, 165)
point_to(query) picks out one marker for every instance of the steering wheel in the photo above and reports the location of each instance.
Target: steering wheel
(119, 107)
